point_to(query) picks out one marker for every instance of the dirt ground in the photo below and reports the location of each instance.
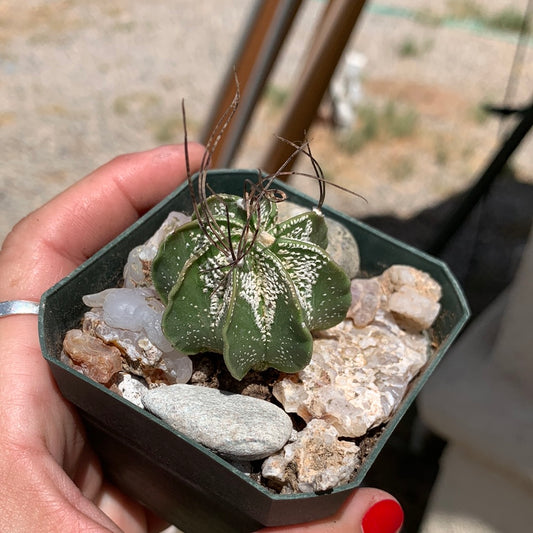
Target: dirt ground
(81, 82)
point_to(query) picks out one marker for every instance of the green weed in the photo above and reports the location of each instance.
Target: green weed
(367, 129)
(401, 168)
(464, 9)
(442, 155)
(276, 96)
(390, 120)
(508, 19)
(399, 121)
(408, 48)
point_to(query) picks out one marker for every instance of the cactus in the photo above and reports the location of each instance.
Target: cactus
(236, 281)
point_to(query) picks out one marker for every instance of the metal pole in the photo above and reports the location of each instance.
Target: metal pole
(255, 56)
(484, 182)
(339, 21)
(281, 23)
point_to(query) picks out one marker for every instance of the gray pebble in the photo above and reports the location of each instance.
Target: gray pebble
(235, 426)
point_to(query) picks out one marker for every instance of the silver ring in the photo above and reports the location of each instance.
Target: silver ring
(18, 307)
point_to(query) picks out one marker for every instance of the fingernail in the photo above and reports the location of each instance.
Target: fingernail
(385, 516)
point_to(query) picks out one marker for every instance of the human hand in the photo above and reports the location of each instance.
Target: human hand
(366, 510)
(51, 479)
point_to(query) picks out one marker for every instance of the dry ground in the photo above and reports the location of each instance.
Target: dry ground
(82, 82)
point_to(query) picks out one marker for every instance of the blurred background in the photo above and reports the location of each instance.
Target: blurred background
(411, 113)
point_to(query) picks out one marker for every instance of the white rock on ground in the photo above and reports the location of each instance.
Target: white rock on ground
(131, 389)
(137, 268)
(413, 296)
(131, 319)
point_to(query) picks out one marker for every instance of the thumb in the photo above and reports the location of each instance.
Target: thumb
(365, 511)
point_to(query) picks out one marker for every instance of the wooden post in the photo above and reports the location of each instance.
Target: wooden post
(253, 61)
(337, 25)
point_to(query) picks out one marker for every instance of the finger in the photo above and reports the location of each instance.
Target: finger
(366, 511)
(126, 513)
(129, 515)
(41, 497)
(50, 242)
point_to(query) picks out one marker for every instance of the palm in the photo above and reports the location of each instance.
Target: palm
(55, 477)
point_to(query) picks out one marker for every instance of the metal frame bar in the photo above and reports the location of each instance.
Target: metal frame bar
(338, 22)
(484, 182)
(255, 56)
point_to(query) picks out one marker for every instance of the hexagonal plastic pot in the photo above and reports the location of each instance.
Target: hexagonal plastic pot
(180, 480)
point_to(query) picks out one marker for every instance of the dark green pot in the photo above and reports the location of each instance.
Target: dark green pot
(177, 478)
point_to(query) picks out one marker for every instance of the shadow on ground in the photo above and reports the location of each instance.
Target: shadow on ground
(483, 254)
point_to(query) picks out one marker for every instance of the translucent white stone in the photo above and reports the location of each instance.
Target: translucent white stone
(133, 271)
(150, 321)
(124, 308)
(179, 366)
(141, 356)
(97, 299)
(366, 298)
(133, 310)
(137, 268)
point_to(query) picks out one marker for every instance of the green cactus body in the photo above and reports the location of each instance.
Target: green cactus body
(258, 311)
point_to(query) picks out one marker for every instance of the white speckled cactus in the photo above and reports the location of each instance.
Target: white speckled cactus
(237, 282)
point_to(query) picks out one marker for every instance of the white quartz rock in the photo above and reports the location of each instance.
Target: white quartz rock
(366, 300)
(96, 299)
(316, 461)
(151, 324)
(357, 376)
(398, 276)
(136, 310)
(140, 355)
(413, 310)
(138, 266)
(131, 389)
(124, 309)
(413, 296)
(178, 366)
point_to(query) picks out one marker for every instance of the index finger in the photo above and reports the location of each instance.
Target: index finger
(50, 242)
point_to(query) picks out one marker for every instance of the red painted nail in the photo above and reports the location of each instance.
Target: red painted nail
(385, 516)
